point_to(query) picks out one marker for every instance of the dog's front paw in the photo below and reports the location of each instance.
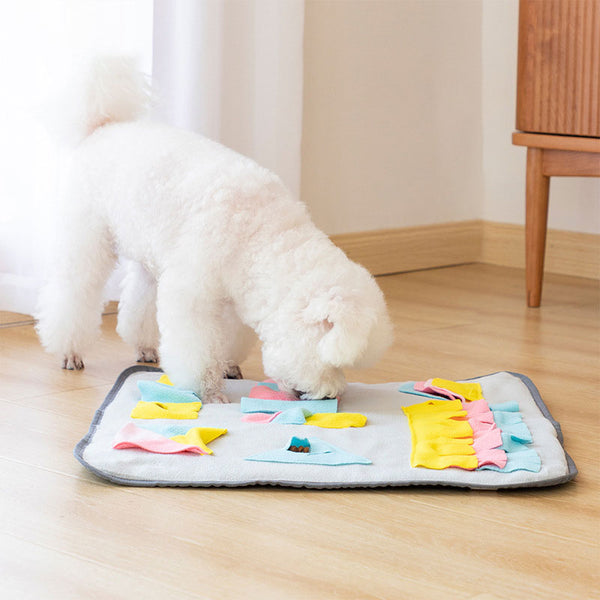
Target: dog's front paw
(147, 355)
(215, 398)
(72, 362)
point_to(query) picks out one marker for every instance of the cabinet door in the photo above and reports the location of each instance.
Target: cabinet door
(558, 81)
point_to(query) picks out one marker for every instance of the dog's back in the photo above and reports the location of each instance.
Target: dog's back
(219, 243)
(176, 187)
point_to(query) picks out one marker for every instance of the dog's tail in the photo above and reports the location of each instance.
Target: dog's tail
(115, 92)
(107, 90)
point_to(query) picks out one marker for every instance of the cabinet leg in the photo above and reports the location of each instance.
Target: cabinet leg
(536, 222)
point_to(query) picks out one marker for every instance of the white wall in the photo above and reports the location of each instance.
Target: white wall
(392, 116)
(409, 107)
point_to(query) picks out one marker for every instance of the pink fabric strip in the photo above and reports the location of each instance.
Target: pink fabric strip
(482, 419)
(491, 456)
(266, 393)
(427, 388)
(492, 438)
(487, 437)
(477, 407)
(259, 417)
(132, 436)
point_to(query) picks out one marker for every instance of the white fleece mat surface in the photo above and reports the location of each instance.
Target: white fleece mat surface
(385, 440)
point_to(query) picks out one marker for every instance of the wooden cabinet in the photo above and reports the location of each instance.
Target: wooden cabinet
(558, 78)
(558, 109)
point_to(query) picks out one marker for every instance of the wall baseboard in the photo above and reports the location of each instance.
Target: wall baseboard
(387, 251)
(567, 252)
(413, 248)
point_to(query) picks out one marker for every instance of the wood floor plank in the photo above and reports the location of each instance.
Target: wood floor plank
(217, 531)
(67, 534)
(52, 436)
(60, 574)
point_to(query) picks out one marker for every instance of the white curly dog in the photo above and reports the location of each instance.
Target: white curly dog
(216, 248)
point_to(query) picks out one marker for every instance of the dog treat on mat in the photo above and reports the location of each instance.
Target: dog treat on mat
(321, 453)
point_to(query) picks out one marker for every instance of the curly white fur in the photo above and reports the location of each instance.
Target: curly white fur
(217, 246)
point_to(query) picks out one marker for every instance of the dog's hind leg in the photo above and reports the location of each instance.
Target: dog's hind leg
(137, 312)
(70, 306)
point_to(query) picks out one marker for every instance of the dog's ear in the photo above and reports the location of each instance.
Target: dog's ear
(345, 328)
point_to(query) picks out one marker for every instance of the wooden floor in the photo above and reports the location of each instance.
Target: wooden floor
(66, 534)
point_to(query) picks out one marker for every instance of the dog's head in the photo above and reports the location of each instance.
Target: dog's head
(311, 339)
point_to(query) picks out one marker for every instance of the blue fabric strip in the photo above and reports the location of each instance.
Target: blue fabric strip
(158, 426)
(505, 406)
(524, 460)
(292, 416)
(270, 384)
(321, 453)
(506, 419)
(152, 391)
(515, 437)
(408, 387)
(253, 405)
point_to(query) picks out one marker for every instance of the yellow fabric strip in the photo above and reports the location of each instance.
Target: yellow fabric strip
(164, 379)
(337, 420)
(166, 410)
(431, 407)
(431, 429)
(469, 391)
(441, 435)
(200, 436)
(444, 462)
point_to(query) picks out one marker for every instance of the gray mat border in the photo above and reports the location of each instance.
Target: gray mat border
(83, 443)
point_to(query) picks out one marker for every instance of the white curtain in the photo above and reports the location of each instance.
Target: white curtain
(41, 41)
(230, 69)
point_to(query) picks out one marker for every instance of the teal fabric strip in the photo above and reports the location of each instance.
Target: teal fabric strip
(515, 439)
(524, 460)
(252, 405)
(321, 453)
(506, 418)
(505, 406)
(152, 391)
(270, 384)
(292, 416)
(518, 432)
(158, 426)
(408, 388)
